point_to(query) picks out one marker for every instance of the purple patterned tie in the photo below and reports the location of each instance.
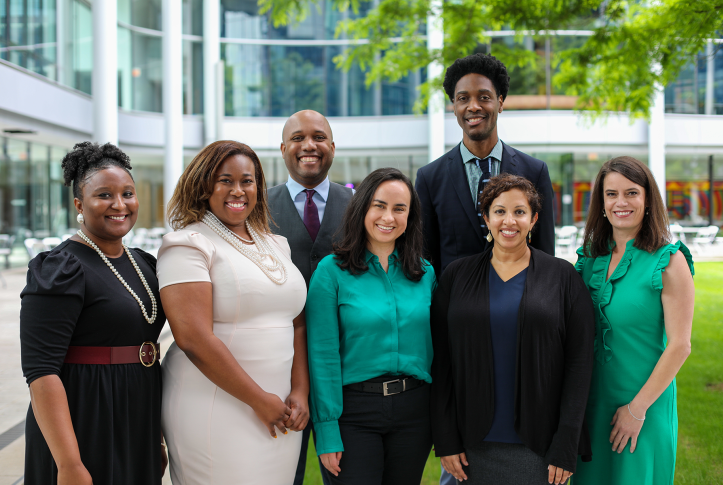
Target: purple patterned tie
(311, 214)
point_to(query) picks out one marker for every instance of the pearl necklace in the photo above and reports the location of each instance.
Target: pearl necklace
(120, 278)
(265, 251)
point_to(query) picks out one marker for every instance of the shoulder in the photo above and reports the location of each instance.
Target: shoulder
(281, 243)
(671, 261)
(54, 272)
(341, 191)
(526, 161)
(193, 236)
(328, 264)
(434, 167)
(148, 258)
(277, 190)
(462, 266)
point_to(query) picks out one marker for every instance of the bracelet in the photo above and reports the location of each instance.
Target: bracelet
(635, 417)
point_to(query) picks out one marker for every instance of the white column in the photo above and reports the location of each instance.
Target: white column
(105, 71)
(656, 138)
(709, 79)
(211, 57)
(172, 96)
(435, 109)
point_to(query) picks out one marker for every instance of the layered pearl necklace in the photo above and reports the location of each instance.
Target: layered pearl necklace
(260, 258)
(120, 278)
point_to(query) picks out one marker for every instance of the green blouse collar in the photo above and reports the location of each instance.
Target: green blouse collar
(370, 256)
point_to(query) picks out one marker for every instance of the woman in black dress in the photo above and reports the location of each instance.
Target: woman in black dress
(512, 330)
(89, 322)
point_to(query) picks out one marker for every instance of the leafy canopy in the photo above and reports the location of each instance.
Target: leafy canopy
(611, 71)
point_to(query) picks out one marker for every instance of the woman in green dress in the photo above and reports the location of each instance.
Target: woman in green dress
(642, 290)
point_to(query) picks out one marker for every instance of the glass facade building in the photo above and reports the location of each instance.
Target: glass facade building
(271, 72)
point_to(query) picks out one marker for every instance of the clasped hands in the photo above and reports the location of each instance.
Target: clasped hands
(291, 414)
(453, 465)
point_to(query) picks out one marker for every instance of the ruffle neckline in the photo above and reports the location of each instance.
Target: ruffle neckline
(601, 291)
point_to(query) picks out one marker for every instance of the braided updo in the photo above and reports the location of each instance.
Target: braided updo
(86, 158)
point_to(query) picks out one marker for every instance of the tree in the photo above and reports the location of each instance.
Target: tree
(611, 71)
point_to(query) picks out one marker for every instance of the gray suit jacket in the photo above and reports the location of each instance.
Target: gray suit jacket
(306, 253)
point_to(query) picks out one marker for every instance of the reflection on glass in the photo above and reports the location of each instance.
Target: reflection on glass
(28, 37)
(141, 13)
(140, 71)
(192, 77)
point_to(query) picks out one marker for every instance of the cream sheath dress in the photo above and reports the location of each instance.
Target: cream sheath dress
(212, 437)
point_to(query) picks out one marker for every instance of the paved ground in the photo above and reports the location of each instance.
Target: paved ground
(14, 397)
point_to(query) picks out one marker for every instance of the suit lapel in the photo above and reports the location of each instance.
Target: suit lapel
(326, 228)
(456, 173)
(509, 160)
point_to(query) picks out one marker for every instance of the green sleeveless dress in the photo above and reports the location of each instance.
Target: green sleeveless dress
(629, 339)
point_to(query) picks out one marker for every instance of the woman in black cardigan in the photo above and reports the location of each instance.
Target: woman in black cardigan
(512, 331)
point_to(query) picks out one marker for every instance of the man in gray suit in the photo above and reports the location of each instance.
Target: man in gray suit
(308, 209)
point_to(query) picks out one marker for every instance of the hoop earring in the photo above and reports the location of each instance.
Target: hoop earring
(489, 236)
(80, 218)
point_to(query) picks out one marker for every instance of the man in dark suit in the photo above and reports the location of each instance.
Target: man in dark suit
(308, 209)
(449, 187)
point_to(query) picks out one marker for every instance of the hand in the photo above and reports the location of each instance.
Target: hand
(557, 475)
(331, 462)
(625, 427)
(164, 460)
(453, 465)
(272, 411)
(299, 405)
(74, 475)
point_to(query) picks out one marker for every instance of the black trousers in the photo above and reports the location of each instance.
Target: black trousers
(386, 439)
(301, 466)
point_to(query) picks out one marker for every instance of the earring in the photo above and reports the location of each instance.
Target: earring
(80, 218)
(604, 215)
(529, 237)
(647, 211)
(489, 236)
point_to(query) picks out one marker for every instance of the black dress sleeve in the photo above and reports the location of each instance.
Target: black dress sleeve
(572, 436)
(50, 304)
(148, 258)
(443, 406)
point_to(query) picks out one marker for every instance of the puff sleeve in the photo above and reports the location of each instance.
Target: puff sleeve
(184, 257)
(51, 302)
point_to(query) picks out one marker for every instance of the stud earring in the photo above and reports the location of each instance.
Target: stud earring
(489, 236)
(80, 218)
(604, 215)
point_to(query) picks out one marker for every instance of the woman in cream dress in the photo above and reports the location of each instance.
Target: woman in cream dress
(235, 382)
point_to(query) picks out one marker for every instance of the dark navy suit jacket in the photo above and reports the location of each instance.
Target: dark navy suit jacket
(451, 226)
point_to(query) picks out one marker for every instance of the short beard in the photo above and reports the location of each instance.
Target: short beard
(479, 136)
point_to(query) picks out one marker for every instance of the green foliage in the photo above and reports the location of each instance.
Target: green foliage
(612, 71)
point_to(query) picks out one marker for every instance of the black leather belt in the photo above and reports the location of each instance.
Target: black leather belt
(387, 388)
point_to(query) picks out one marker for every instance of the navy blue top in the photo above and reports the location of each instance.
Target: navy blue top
(505, 297)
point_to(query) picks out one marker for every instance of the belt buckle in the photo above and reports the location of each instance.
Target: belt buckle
(386, 390)
(142, 354)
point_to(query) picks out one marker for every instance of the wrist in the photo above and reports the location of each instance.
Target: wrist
(638, 408)
(637, 415)
(69, 464)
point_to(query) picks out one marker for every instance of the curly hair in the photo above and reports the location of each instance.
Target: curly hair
(350, 251)
(189, 202)
(654, 232)
(484, 64)
(504, 183)
(86, 158)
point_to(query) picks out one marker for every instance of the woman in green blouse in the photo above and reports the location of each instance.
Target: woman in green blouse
(643, 294)
(370, 346)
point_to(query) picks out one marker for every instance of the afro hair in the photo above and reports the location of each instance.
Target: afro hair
(484, 64)
(86, 158)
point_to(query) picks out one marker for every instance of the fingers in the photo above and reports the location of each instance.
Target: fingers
(453, 466)
(557, 475)
(551, 473)
(293, 418)
(620, 441)
(633, 443)
(566, 476)
(463, 459)
(331, 462)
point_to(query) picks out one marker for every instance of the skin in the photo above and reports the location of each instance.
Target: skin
(476, 106)
(620, 196)
(190, 314)
(107, 194)
(307, 147)
(390, 209)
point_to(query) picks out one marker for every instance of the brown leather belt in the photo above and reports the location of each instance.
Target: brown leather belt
(147, 354)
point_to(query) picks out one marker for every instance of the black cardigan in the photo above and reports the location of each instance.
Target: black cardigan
(555, 331)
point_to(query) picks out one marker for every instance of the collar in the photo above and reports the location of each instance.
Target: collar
(295, 188)
(467, 155)
(369, 256)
